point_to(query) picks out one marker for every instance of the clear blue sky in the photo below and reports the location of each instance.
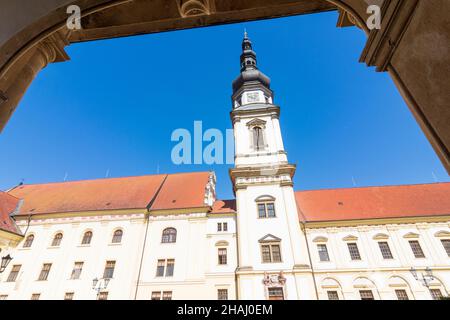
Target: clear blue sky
(114, 106)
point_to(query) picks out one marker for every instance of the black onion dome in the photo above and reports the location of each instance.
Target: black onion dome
(249, 70)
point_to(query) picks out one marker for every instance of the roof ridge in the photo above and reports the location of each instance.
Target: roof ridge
(110, 178)
(382, 186)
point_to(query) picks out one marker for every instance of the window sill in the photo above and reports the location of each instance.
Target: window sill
(114, 244)
(51, 247)
(83, 245)
(24, 249)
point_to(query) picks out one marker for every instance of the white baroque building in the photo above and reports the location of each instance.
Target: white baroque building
(168, 237)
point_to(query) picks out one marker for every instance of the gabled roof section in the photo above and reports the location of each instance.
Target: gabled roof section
(174, 191)
(224, 206)
(8, 204)
(422, 200)
(182, 191)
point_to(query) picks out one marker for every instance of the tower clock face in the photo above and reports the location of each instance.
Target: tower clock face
(252, 97)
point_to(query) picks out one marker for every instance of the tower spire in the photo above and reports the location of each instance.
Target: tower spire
(248, 56)
(251, 79)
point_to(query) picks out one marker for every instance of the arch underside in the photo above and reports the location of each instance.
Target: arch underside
(410, 32)
(105, 19)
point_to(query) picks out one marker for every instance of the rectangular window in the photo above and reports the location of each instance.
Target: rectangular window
(276, 294)
(446, 244)
(401, 294)
(266, 210)
(271, 210)
(323, 252)
(68, 296)
(109, 269)
(222, 294)
(366, 295)
(76, 271)
(333, 295)
(276, 254)
(416, 249)
(261, 210)
(156, 295)
(436, 294)
(14, 273)
(353, 250)
(222, 254)
(219, 227)
(167, 295)
(270, 253)
(225, 226)
(35, 296)
(265, 252)
(3, 296)
(43, 276)
(170, 267)
(385, 250)
(103, 295)
(160, 268)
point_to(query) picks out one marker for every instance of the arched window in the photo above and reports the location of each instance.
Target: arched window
(57, 239)
(258, 139)
(169, 235)
(87, 237)
(117, 237)
(29, 241)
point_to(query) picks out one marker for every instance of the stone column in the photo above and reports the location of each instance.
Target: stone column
(15, 83)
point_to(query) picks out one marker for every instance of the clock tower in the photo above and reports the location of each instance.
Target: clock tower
(273, 261)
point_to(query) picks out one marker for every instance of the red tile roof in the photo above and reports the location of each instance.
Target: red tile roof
(187, 190)
(182, 190)
(374, 202)
(8, 204)
(224, 206)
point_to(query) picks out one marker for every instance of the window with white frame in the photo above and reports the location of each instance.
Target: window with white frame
(57, 239)
(167, 295)
(354, 251)
(14, 273)
(169, 235)
(222, 256)
(446, 245)
(275, 293)
(366, 295)
(76, 271)
(332, 295)
(416, 249)
(436, 294)
(29, 241)
(117, 236)
(69, 296)
(103, 295)
(108, 273)
(165, 268)
(45, 271)
(385, 250)
(156, 295)
(222, 227)
(271, 252)
(222, 294)
(323, 252)
(401, 294)
(266, 210)
(35, 296)
(87, 237)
